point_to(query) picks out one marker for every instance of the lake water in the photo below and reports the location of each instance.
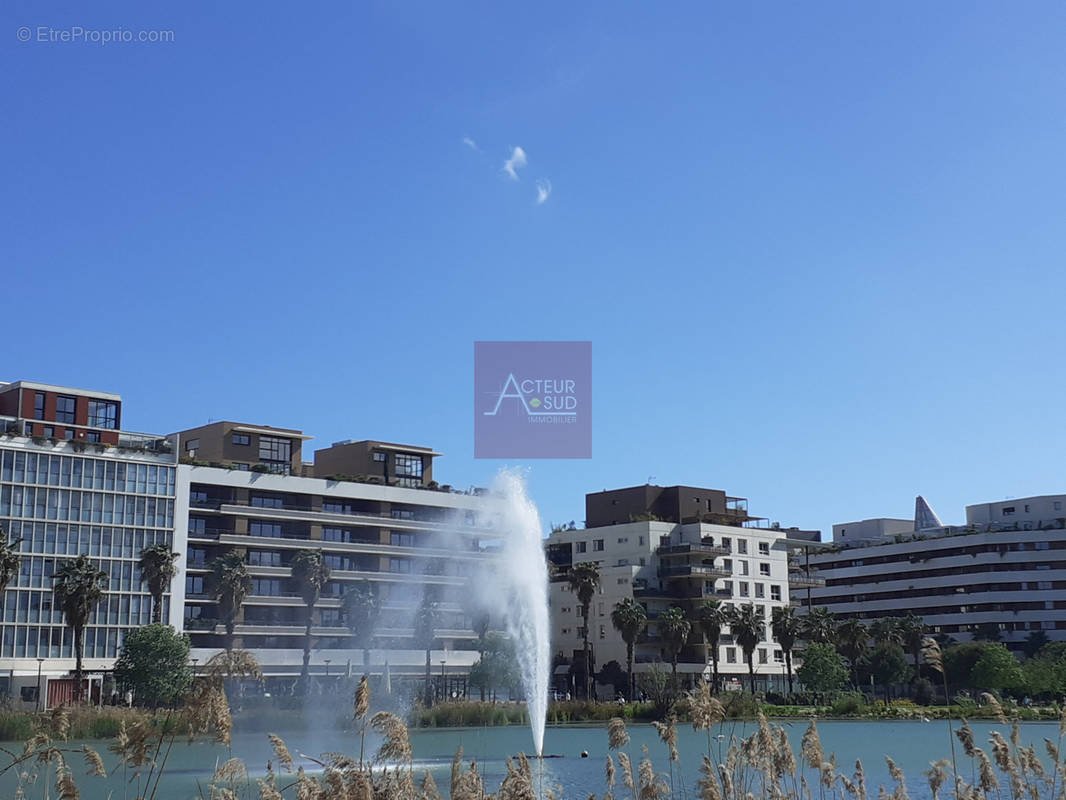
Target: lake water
(911, 744)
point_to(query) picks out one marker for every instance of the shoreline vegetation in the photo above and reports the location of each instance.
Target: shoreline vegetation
(93, 724)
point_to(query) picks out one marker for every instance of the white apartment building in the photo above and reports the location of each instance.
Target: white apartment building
(671, 557)
(1001, 574)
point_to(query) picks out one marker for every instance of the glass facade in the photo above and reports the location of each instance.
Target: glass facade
(62, 505)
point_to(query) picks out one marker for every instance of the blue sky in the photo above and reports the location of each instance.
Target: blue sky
(818, 247)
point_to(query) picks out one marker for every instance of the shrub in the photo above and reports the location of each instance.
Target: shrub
(924, 692)
(848, 704)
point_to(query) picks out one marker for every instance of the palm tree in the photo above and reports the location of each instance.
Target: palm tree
(748, 627)
(887, 631)
(360, 607)
(9, 562)
(711, 617)
(157, 570)
(584, 578)
(674, 629)
(630, 619)
(852, 637)
(230, 584)
(79, 586)
(912, 631)
(785, 626)
(311, 574)
(425, 634)
(819, 625)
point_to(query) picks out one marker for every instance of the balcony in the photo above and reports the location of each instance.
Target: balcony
(804, 580)
(694, 571)
(692, 549)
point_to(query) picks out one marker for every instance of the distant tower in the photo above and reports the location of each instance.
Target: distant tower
(924, 516)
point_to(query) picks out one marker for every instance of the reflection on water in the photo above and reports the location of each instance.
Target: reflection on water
(911, 744)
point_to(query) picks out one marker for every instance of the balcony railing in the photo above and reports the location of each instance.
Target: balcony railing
(701, 571)
(692, 548)
(804, 580)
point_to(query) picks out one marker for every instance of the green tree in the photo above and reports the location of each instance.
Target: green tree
(888, 665)
(497, 666)
(311, 573)
(785, 626)
(822, 669)
(1034, 642)
(630, 619)
(583, 579)
(887, 630)
(912, 631)
(1045, 673)
(229, 584)
(711, 618)
(819, 625)
(9, 562)
(425, 634)
(987, 632)
(997, 670)
(360, 608)
(748, 627)
(959, 661)
(852, 643)
(79, 586)
(154, 665)
(674, 629)
(157, 570)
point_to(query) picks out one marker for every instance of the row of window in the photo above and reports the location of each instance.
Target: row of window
(113, 609)
(102, 413)
(59, 539)
(36, 572)
(57, 642)
(74, 506)
(80, 472)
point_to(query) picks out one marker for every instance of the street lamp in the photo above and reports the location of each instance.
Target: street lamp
(443, 681)
(40, 661)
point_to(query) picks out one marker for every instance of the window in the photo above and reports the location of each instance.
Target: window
(640, 541)
(743, 567)
(65, 409)
(265, 501)
(742, 546)
(727, 588)
(581, 546)
(192, 444)
(727, 563)
(68, 434)
(1042, 545)
(1008, 510)
(775, 592)
(764, 548)
(38, 405)
(402, 539)
(379, 457)
(240, 467)
(764, 569)
(92, 436)
(762, 655)
(727, 543)
(408, 466)
(194, 584)
(269, 530)
(760, 590)
(336, 535)
(597, 545)
(1026, 508)
(731, 655)
(264, 558)
(276, 453)
(270, 587)
(399, 565)
(242, 439)
(103, 414)
(779, 657)
(197, 525)
(744, 589)
(1058, 505)
(623, 540)
(49, 431)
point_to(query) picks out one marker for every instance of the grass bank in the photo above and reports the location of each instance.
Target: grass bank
(85, 722)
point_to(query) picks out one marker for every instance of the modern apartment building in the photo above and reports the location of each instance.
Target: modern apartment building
(671, 547)
(1002, 574)
(72, 482)
(376, 514)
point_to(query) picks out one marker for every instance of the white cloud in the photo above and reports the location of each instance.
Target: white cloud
(470, 143)
(514, 163)
(544, 190)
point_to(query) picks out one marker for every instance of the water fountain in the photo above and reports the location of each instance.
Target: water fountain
(522, 590)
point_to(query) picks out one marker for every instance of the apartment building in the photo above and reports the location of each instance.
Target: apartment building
(375, 512)
(1000, 575)
(669, 547)
(73, 482)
